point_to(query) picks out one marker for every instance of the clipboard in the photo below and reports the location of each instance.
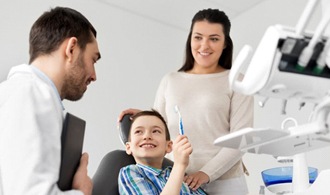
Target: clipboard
(72, 140)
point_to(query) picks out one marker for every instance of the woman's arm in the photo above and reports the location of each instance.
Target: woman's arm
(241, 116)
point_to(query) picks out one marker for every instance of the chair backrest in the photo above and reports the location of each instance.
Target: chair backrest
(105, 179)
(124, 128)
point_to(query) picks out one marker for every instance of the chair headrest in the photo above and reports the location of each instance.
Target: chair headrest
(124, 127)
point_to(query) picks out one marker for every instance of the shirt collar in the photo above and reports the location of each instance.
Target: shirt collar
(44, 77)
(153, 170)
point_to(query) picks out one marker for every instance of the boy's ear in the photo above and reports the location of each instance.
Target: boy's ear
(128, 148)
(169, 147)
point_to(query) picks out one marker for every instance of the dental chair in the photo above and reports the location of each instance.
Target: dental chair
(105, 179)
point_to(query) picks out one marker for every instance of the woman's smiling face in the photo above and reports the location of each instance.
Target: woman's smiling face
(207, 44)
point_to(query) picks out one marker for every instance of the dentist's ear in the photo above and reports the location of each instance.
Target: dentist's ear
(128, 148)
(72, 43)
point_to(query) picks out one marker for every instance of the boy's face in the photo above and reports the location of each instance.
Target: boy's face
(148, 142)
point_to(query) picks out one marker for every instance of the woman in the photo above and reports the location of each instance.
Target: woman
(209, 108)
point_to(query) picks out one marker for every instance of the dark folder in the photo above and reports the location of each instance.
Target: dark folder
(72, 140)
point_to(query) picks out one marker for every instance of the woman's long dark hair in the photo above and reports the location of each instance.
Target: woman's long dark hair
(212, 16)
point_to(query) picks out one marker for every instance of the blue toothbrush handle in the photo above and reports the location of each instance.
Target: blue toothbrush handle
(181, 128)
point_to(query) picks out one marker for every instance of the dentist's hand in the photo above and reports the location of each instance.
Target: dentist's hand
(81, 180)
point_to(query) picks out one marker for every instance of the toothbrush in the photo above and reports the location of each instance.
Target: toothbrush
(176, 108)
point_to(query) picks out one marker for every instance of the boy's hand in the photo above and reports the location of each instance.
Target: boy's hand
(181, 150)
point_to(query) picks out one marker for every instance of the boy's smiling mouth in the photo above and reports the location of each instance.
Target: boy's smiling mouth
(147, 145)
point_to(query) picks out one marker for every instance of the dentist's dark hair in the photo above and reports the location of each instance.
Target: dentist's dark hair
(56, 25)
(211, 16)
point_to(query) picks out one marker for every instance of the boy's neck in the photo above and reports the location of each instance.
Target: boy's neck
(150, 162)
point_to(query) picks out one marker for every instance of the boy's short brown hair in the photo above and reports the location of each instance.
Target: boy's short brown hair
(155, 113)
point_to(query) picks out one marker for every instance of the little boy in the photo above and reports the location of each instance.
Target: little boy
(149, 141)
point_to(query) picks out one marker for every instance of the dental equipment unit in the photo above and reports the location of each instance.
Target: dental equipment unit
(289, 63)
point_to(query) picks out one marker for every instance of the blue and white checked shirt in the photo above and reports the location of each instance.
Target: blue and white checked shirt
(141, 180)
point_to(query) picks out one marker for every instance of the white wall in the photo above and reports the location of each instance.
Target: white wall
(136, 52)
